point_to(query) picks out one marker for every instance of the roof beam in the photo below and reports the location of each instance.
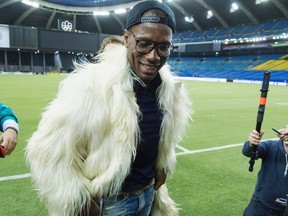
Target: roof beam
(24, 15)
(248, 13)
(119, 21)
(7, 3)
(185, 13)
(215, 13)
(99, 28)
(81, 10)
(49, 22)
(281, 7)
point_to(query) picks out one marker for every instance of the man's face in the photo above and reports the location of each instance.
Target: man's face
(146, 66)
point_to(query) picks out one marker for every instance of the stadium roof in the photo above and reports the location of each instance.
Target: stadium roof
(45, 14)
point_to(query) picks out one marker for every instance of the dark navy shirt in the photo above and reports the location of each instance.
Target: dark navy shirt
(143, 167)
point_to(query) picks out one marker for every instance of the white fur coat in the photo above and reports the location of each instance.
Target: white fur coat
(87, 136)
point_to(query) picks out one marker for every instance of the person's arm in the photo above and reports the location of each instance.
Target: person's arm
(9, 127)
(8, 119)
(9, 140)
(253, 139)
(56, 151)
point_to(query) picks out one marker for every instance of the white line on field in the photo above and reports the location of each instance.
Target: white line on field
(182, 148)
(6, 178)
(184, 152)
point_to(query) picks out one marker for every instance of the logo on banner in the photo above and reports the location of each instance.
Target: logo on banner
(66, 26)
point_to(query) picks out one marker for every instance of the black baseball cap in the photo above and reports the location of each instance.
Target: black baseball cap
(135, 15)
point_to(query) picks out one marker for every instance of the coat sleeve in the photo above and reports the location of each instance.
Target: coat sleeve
(262, 149)
(163, 204)
(7, 118)
(177, 107)
(57, 149)
(177, 114)
(246, 149)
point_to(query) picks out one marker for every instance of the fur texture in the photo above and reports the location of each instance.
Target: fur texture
(87, 136)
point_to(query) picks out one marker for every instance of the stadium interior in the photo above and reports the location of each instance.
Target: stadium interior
(225, 39)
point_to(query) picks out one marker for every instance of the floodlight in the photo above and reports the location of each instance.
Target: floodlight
(209, 14)
(234, 7)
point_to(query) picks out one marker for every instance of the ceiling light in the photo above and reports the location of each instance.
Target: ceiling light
(31, 3)
(101, 13)
(234, 7)
(260, 1)
(209, 14)
(120, 11)
(189, 19)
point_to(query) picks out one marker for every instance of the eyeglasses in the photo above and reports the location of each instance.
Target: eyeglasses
(146, 46)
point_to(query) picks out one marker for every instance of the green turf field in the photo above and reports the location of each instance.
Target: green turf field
(204, 184)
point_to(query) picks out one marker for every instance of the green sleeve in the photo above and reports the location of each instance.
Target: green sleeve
(6, 113)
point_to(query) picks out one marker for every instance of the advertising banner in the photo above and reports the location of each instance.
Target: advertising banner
(4, 36)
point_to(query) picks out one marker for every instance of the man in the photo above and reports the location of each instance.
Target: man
(272, 182)
(109, 137)
(9, 127)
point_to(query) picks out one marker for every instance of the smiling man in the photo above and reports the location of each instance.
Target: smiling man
(107, 142)
(148, 37)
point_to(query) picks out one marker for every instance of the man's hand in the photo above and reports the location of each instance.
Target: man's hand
(255, 137)
(159, 179)
(9, 140)
(283, 135)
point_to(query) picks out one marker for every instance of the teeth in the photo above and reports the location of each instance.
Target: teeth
(149, 67)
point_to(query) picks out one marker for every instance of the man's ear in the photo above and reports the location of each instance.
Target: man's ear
(126, 37)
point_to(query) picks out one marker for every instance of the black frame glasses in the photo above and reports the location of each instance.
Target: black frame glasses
(146, 46)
